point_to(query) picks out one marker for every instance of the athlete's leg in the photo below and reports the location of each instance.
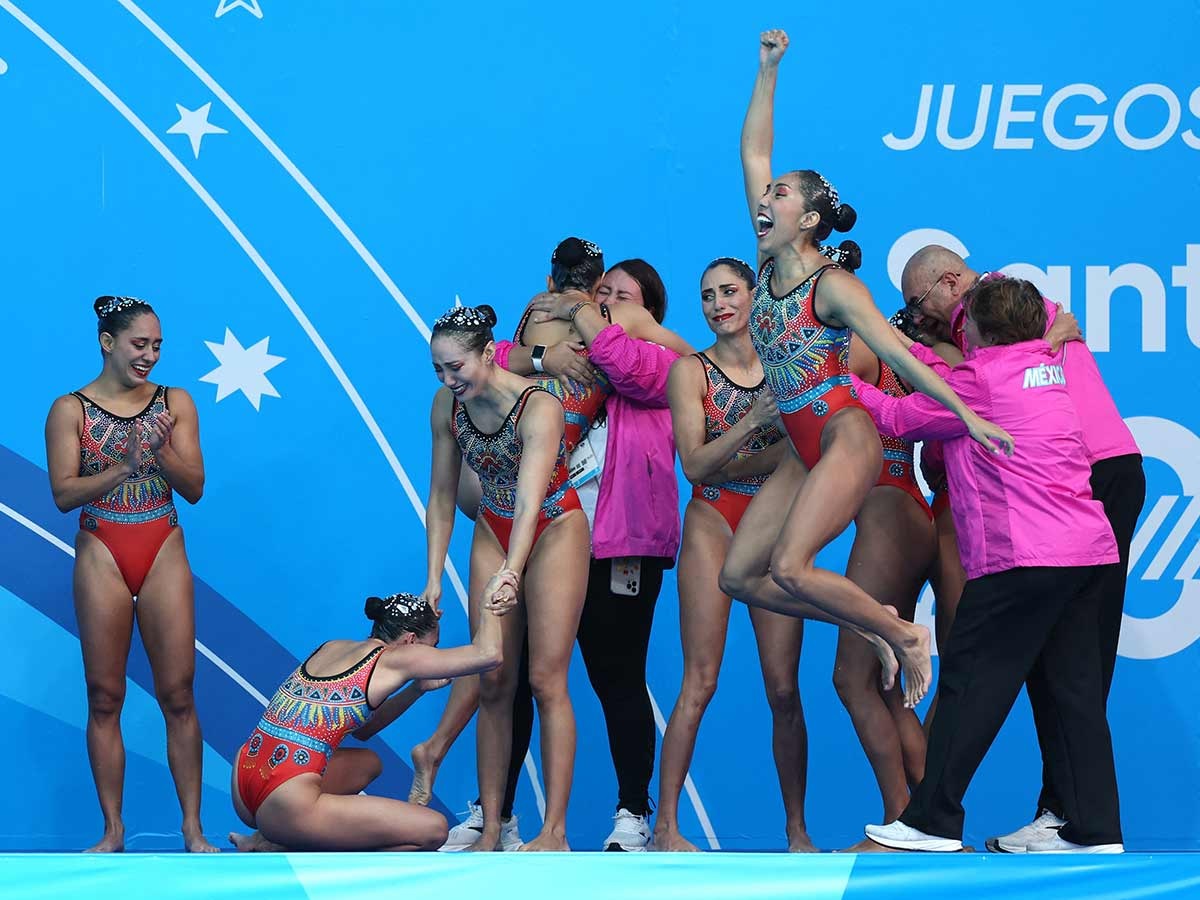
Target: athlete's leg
(829, 498)
(104, 611)
(300, 816)
(746, 574)
(893, 547)
(166, 617)
(493, 731)
(779, 639)
(703, 623)
(555, 584)
(427, 756)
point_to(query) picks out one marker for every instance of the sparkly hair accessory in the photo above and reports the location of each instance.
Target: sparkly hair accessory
(590, 248)
(720, 260)
(830, 192)
(836, 254)
(404, 604)
(116, 304)
(467, 317)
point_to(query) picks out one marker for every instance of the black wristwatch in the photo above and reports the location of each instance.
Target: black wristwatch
(535, 357)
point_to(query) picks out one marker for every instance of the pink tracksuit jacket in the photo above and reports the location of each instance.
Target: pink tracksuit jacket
(1034, 508)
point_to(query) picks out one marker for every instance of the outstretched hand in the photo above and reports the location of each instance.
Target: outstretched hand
(992, 437)
(772, 44)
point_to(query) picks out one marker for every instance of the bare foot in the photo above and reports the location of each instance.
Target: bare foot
(801, 843)
(112, 842)
(195, 840)
(254, 843)
(915, 661)
(425, 768)
(487, 842)
(546, 841)
(671, 841)
(866, 845)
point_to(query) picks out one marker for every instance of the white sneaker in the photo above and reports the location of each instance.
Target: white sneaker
(466, 832)
(899, 836)
(1059, 844)
(1045, 826)
(630, 833)
(510, 836)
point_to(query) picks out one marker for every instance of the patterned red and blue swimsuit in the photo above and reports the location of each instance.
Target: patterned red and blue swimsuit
(137, 516)
(805, 361)
(496, 459)
(725, 404)
(898, 466)
(307, 719)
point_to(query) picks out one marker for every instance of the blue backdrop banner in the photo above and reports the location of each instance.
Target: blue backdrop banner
(300, 188)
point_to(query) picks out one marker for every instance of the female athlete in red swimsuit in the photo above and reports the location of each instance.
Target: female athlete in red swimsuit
(510, 432)
(800, 323)
(729, 442)
(294, 782)
(121, 448)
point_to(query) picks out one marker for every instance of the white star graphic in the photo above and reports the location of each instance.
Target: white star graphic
(242, 369)
(251, 6)
(194, 123)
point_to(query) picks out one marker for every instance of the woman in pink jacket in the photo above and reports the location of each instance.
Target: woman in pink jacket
(1032, 541)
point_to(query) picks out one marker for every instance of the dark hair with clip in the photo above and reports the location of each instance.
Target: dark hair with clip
(1007, 310)
(116, 314)
(654, 292)
(740, 267)
(398, 614)
(822, 197)
(847, 254)
(902, 321)
(471, 326)
(576, 265)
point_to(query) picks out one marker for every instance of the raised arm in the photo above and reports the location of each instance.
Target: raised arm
(704, 463)
(415, 662)
(175, 441)
(758, 130)
(443, 485)
(71, 490)
(843, 298)
(540, 430)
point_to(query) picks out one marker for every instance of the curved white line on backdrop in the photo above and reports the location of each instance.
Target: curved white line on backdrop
(215, 208)
(70, 551)
(254, 256)
(282, 158)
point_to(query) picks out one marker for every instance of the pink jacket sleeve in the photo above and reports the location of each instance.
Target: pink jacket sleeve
(917, 416)
(926, 355)
(503, 348)
(637, 369)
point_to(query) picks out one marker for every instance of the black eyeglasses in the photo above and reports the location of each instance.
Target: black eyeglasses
(915, 303)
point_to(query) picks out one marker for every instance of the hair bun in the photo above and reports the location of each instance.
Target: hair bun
(845, 218)
(569, 253)
(100, 303)
(489, 314)
(374, 608)
(851, 255)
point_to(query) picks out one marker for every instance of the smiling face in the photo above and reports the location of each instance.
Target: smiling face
(464, 371)
(130, 354)
(619, 286)
(783, 215)
(725, 300)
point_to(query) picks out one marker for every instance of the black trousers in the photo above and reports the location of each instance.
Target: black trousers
(1006, 623)
(614, 639)
(1120, 484)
